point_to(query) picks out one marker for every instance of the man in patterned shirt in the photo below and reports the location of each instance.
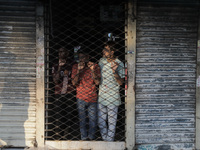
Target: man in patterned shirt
(112, 74)
(85, 76)
(61, 72)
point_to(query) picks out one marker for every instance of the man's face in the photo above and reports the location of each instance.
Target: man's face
(82, 57)
(62, 53)
(107, 52)
(90, 64)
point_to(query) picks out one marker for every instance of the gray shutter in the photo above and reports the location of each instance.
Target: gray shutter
(165, 76)
(17, 73)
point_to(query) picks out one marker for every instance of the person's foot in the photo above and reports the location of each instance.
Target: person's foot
(90, 138)
(109, 140)
(84, 138)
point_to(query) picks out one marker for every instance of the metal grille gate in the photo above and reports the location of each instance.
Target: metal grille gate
(165, 75)
(72, 26)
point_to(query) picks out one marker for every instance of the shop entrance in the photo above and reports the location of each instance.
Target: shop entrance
(72, 27)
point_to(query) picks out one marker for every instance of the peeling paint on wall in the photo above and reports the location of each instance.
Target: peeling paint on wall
(166, 77)
(198, 81)
(198, 44)
(40, 66)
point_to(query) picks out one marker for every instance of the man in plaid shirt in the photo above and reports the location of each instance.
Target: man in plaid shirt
(112, 74)
(85, 76)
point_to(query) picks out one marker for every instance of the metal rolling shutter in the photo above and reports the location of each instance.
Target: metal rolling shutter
(17, 73)
(165, 76)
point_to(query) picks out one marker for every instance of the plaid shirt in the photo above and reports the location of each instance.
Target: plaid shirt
(86, 89)
(109, 87)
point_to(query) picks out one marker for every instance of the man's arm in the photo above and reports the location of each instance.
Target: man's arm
(76, 73)
(114, 67)
(76, 78)
(95, 71)
(119, 80)
(96, 75)
(56, 75)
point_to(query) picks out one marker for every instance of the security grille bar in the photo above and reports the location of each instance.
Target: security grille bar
(85, 70)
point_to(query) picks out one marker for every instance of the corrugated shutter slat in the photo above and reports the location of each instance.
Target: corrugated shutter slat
(17, 73)
(165, 76)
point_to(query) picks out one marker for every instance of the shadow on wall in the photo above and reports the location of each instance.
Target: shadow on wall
(15, 99)
(2, 143)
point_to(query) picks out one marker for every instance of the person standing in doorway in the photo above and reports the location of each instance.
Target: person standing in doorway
(112, 74)
(86, 76)
(61, 72)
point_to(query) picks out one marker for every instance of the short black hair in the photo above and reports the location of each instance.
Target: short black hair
(92, 59)
(63, 48)
(82, 51)
(111, 45)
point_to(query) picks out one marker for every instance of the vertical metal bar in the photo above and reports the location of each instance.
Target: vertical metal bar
(131, 63)
(198, 90)
(47, 31)
(40, 74)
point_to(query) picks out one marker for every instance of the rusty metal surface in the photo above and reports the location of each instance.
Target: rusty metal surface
(165, 76)
(17, 73)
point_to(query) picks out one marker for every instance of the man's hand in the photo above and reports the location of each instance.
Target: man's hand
(62, 62)
(91, 65)
(66, 72)
(93, 69)
(114, 66)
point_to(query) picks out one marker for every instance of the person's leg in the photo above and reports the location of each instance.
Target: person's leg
(82, 116)
(112, 120)
(63, 115)
(68, 115)
(92, 114)
(57, 116)
(102, 116)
